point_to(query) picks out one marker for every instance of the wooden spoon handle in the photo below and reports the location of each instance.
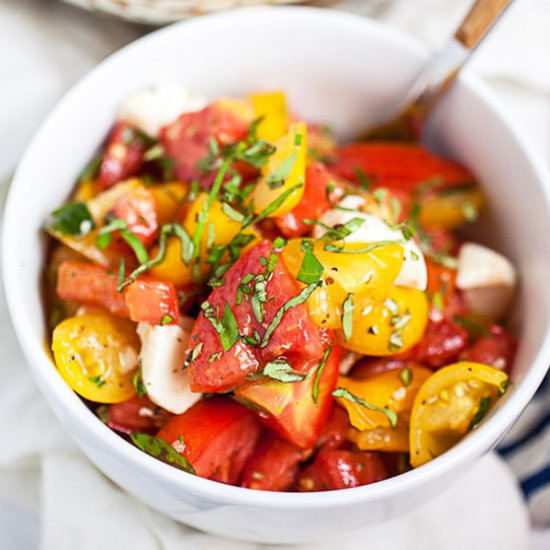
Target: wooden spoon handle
(479, 20)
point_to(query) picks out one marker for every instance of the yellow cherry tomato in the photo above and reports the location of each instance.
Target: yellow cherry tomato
(382, 438)
(96, 354)
(285, 170)
(369, 273)
(169, 198)
(447, 406)
(84, 191)
(391, 390)
(271, 106)
(452, 208)
(172, 268)
(384, 327)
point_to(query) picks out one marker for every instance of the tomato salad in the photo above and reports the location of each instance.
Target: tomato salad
(241, 297)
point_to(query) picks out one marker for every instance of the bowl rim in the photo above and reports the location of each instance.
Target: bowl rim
(47, 378)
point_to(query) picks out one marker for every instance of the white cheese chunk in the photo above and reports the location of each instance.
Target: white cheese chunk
(487, 279)
(162, 357)
(413, 274)
(154, 107)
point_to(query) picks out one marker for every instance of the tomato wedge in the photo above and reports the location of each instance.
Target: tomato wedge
(123, 156)
(339, 469)
(273, 466)
(398, 166)
(496, 348)
(289, 409)
(448, 405)
(211, 432)
(216, 369)
(90, 284)
(138, 414)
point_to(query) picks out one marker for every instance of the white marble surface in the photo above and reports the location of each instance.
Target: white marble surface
(46, 46)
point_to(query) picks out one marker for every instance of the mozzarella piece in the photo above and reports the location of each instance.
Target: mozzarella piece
(162, 357)
(487, 279)
(152, 108)
(413, 274)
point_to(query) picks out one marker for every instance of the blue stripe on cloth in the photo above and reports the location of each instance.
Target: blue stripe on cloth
(536, 482)
(504, 450)
(544, 385)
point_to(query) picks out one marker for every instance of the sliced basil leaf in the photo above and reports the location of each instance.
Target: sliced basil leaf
(158, 448)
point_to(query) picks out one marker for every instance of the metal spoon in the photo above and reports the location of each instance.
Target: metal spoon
(439, 74)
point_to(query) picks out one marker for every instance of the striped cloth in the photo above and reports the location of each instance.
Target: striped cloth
(526, 449)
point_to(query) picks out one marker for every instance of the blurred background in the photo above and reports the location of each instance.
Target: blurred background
(50, 496)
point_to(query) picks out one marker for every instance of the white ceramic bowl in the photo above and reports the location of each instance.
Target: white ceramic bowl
(337, 68)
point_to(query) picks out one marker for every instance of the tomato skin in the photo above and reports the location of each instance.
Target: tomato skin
(212, 431)
(338, 469)
(296, 337)
(138, 209)
(90, 285)
(397, 165)
(288, 409)
(150, 301)
(186, 140)
(123, 156)
(496, 349)
(442, 343)
(273, 466)
(138, 414)
(313, 204)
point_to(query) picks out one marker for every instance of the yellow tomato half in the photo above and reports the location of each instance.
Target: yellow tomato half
(96, 354)
(285, 169)
(447, 405)
(368, 274)
(388, 326)
(390, 390)
(382, 438)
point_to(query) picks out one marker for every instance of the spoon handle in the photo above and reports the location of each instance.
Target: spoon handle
(481, 17)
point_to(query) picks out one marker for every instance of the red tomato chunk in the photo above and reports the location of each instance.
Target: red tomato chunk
(138, 414)
(213, 369)
(496, 349)
(211, 434)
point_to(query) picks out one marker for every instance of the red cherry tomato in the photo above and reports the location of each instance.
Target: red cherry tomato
(273, 466)
(441, 344)
(496, 349)
(211, 433)
(138, 414)
(314, 202)
(289, 408)
(397, 165)
(214, 369)
(138, 209)
(370, 367)
(152, 301)
(335, 431)
(339, 469)
(123, 156)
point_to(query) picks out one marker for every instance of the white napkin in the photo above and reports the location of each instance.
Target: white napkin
(43, 476)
